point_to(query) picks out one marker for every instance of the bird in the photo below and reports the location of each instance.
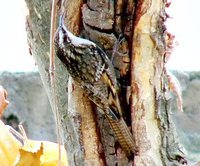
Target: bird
(93, 71)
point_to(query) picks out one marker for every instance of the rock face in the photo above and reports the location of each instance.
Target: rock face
(188, 123)
(28, 105)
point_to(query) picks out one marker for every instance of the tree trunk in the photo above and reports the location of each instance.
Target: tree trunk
(133, 34)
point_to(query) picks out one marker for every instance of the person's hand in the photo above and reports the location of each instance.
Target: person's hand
(3, 100)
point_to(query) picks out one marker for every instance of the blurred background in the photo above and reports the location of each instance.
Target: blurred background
(29, 103)
(19, 75)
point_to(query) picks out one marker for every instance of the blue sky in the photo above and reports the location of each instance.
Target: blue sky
(185, 25)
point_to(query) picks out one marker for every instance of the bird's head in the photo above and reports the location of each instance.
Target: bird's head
(61, 35)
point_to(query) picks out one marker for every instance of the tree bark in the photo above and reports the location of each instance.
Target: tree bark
(151, 121)
(133, 34)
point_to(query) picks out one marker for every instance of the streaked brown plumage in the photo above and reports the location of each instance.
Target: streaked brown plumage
(91, 69)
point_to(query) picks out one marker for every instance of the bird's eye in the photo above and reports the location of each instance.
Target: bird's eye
(64, 38)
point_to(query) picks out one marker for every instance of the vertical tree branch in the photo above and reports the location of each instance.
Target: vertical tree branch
(145, 55)
(147, 73)
(52, 76)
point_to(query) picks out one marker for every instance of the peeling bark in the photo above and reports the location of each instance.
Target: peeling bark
(152, 127)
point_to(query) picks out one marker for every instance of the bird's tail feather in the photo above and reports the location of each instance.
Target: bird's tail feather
(123, 134)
